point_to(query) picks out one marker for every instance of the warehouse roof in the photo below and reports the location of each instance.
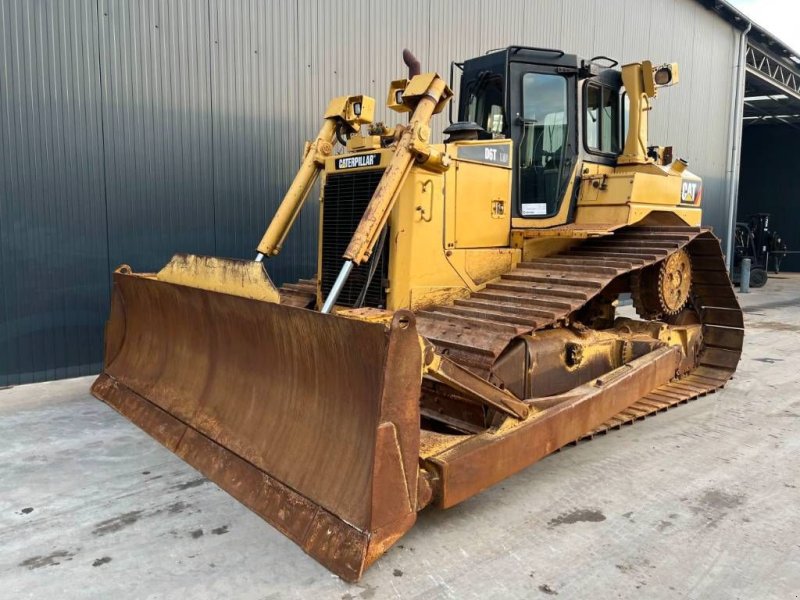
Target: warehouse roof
(757, 33)
(772, 84)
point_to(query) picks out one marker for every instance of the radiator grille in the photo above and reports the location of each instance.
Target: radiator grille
(346, 197)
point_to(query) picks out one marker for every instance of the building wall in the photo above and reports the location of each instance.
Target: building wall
(768, 182)
(131, 129)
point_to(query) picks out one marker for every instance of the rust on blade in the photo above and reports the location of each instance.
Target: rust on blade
(310, 420)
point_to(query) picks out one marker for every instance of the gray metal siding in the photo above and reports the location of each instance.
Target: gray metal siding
(154, 68)
(53, 265)
(133, 129)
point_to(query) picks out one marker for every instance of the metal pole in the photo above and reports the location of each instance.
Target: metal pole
(333, 296)
(735, 141)
(744, 281)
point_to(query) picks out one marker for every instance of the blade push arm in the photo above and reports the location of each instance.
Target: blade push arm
(352, 111)
(427, 94)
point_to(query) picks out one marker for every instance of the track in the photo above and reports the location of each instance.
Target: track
(546, 292)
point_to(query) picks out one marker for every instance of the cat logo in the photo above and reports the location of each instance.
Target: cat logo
(691, 192)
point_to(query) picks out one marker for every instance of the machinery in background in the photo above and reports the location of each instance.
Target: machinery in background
(461, 324)
(756, 241)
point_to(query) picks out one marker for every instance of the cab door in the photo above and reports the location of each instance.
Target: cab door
(544, 134)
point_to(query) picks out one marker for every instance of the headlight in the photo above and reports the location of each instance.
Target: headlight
(663, 75)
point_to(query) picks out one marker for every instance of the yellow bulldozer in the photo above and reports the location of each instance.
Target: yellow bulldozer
(462, 322)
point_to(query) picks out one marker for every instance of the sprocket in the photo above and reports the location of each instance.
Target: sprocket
(662, 290)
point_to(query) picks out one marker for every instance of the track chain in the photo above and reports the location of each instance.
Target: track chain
(546, 292)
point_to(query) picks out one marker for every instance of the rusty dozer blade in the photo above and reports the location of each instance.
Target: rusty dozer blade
(310, 420)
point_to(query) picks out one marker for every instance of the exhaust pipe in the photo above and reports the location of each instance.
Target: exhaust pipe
(412, 62)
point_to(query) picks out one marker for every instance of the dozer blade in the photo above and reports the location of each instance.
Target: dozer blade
(310, 420)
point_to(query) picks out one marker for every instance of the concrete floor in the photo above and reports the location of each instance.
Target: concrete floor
(699, 502)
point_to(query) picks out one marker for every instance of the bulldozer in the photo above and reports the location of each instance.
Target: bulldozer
(462, 323)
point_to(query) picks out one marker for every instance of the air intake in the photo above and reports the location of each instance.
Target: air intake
(346, 197)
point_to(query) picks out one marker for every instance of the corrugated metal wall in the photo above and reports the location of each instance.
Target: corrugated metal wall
(53, 244)
(130, 129)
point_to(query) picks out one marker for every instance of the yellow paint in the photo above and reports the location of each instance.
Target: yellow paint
(631, 192)
(371, 315)
(483, 265)
(448, 240)
(419, 86)
(417, 258)
(422, 271)
(602, 214)
(427, 93)
(640, 84)
(450, 213)
(538, 247)
(360, 143)
(245, 278)
(480, 190)
(421, 297)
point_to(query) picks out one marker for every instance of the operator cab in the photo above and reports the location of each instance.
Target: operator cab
(530, 95)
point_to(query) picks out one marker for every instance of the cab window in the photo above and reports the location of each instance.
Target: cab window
(543, 160)
(601, 119)
(485, 103)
